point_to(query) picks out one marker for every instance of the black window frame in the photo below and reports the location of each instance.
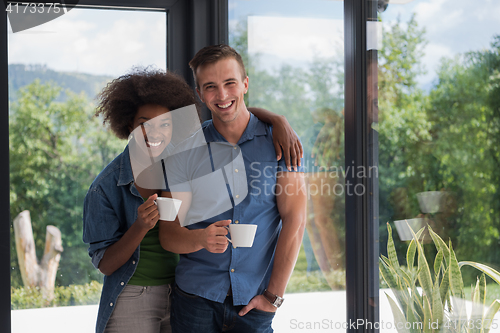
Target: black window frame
(192, 24)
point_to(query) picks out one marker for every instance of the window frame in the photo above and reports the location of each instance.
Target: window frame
(192, 24)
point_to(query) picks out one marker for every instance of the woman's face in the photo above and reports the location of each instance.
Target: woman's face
(156, 124)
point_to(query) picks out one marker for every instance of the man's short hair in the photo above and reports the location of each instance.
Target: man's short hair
(212, 54)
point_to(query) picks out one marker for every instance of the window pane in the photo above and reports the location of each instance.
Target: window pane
(439, 133)
(57, 147)
(293, 53)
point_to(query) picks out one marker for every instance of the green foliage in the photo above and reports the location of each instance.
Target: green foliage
(399, 64)
(56, 150)
(440, 303)
(28, 297)
(444, 140)
(466, 126)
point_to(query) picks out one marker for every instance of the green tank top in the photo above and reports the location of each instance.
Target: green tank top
(156, 266)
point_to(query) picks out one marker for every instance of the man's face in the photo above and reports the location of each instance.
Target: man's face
(222, 88)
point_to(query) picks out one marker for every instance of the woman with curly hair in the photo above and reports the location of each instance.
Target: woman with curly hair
(120, 216)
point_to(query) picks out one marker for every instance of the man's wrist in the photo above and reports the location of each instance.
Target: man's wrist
(275, 300)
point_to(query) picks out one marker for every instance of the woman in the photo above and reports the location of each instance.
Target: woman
(120, 216)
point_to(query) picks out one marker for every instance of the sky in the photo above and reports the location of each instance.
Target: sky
(101, 42)
(289, 32)
(283, 31)
(452, 27)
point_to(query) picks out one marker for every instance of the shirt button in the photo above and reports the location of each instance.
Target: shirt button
(122, 283)
(237, 196)
(232, 270)
(235, 170)
(236, 221)
(235, 147)
(110, 304)
(133, 262)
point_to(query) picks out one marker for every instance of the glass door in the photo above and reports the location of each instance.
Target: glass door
(57, 147)
(294, 56)
(439, 133)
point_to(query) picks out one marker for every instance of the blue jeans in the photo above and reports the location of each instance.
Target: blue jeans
(194, 314)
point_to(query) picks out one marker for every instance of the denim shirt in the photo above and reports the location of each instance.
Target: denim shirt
(110, 209)
(246, 270)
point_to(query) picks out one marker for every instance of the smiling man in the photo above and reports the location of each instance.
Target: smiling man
(221, 288)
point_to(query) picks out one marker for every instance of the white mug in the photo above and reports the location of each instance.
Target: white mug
(168, 208)
(242, 235)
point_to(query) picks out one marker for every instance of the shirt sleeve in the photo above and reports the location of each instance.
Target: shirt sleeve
(101, 225)
(97, 256)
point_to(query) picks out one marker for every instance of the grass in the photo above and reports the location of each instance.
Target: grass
(492, 293)
(307, 277)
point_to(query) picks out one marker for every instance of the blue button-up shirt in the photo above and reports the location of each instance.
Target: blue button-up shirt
(246, 270)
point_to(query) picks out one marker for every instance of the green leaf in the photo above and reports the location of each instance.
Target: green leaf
(445, 285)
(477, 305)
(418, 302)
(427, 316)
(482, 291)
(398, 316)
(437, 263)
(437, 304)
(412, 317)
(386, 260)
(488, 318)
(424, 276)
(391, 251)
(495, 275)
(393, 283)
(410, 253)
(439, 243)
(407, 278)
(457, 289)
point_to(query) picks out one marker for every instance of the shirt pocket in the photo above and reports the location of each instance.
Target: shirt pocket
(132, 292)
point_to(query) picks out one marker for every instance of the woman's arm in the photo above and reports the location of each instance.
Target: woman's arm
(284, 138)
(119, 253)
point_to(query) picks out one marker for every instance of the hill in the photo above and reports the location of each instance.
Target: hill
(21, 75)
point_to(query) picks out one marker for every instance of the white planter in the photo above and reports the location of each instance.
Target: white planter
(430, 201)
(403, 228)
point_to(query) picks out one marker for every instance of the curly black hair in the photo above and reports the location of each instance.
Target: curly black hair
(120, 100)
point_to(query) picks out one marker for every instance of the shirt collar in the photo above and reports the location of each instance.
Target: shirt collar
(126, 176)
(254, 128)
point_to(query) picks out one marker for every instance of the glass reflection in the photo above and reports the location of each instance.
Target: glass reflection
(439, 159)
(294, 57)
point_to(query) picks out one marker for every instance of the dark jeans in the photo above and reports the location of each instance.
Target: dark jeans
(194, 314)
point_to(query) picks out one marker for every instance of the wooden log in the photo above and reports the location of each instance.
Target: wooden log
(25, 247)
(34, 274)
(50, 260)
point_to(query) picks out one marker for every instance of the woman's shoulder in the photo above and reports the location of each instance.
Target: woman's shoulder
(110, 174)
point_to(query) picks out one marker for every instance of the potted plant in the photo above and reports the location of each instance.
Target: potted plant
(434, 301)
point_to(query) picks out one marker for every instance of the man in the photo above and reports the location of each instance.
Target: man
(221, 288)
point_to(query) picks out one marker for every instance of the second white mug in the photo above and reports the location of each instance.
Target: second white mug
(242, 235)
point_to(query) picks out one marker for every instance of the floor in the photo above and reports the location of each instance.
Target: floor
(302, 312)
